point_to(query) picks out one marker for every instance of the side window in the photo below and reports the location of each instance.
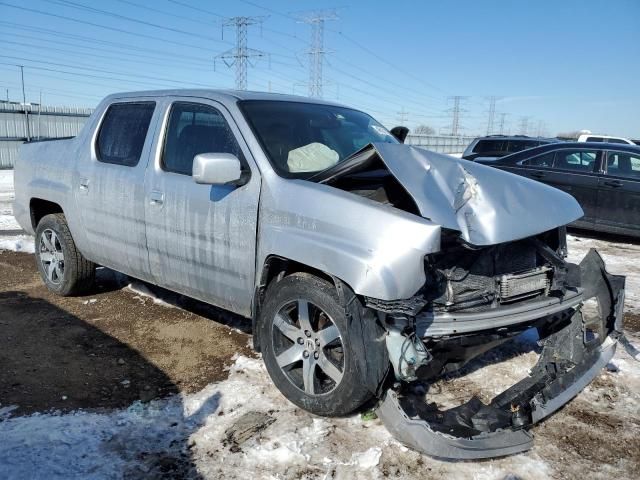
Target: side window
(544, 160)
(490, 146)
(582, 160)
(616, 140)
(123, 132)
(594, 139)
(623, 164)
(192, 129)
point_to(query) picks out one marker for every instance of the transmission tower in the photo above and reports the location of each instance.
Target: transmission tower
(492, 114)
(501, 123)
(456, 111)
(524, 125)
(317, 51)
(403, 117)
(241, 55)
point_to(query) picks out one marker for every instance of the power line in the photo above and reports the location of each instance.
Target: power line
(241, 55)
(114, 29)
(80, 6)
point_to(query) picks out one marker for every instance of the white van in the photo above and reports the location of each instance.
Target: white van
(589, 137)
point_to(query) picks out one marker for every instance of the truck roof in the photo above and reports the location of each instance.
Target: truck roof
(221, 95)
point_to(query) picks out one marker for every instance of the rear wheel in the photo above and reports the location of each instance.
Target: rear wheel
(306, 346)
(62, 267)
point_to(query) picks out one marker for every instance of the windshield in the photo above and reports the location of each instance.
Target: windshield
(303, 138)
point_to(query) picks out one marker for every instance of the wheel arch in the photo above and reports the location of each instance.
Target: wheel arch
(275, 268)
(39, 208)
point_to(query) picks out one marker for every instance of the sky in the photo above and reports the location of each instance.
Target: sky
(552, 66)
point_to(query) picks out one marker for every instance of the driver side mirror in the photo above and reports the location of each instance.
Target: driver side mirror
(216, 169)
(400, 133)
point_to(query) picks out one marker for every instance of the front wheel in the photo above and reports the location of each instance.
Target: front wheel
(62, 267)
(307, 349)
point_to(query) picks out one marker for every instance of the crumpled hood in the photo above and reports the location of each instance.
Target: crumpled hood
(486, 205)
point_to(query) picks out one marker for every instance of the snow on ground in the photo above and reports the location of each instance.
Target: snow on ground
(191, 431)
(620, 259)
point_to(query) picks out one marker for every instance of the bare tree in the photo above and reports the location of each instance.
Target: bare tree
(424, 130)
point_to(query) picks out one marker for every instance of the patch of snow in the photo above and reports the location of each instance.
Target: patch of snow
(6, 186)
(17, 243)
(142, 292)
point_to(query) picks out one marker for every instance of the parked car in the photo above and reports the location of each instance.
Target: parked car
(589, 137)
(497, 146)
(363, 264)
(603, 177)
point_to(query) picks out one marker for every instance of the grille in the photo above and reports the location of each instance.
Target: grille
(470, 279)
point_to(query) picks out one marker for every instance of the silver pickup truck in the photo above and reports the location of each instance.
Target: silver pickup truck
(366, 266)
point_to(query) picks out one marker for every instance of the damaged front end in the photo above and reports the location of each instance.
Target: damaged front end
(578, 319)
(500, 271)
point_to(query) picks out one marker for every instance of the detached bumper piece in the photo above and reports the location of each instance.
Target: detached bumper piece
(574, 350)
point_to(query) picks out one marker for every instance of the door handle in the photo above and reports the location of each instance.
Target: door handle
(613, 183)
(156, 198)
(84, 184)
(538, 174)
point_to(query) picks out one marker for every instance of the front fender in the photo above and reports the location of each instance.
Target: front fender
(376, 249)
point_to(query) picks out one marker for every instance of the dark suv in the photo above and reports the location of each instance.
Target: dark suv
(496, 146)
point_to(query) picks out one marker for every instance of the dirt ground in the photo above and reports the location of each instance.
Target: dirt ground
(107, 349)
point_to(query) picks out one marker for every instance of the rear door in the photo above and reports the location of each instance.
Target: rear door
(619, 193)
(201, 238)
(110, 187)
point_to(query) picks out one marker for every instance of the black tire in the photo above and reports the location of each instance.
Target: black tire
(75, 274)
(328, 397)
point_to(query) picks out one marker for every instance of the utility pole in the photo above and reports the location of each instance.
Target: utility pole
(403, 117)
(524, 125)
(241, 55)
(501, 123)
(541, 128)
(492, 114)
(24, 104)
(455, 113)
(317, 51)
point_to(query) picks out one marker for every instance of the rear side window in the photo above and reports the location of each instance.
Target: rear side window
(193, 129)
(123, 132)
(504, 147)
(616, 140)
(582, 160)
(519, 145)
(623, 164)
(490, 146)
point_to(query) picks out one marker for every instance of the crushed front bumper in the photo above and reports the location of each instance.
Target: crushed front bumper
(575, 347)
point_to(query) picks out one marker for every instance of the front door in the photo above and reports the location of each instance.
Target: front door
(109, 188)
(619, 193)
(201, 238)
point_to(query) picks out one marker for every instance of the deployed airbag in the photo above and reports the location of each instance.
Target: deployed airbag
(311, 158)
